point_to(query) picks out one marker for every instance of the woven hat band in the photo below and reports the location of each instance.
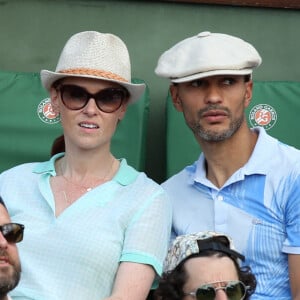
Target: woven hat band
(93, 72)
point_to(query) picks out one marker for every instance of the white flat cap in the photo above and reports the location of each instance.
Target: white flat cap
(207, 54)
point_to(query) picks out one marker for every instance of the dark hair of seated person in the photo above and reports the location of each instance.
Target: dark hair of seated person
(172, 282)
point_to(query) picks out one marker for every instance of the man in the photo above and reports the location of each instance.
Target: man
(245, 183)
(10, 267)
(204, 265)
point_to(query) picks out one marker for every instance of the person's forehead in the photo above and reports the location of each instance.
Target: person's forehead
(212, 268)
(82, 81)
(213, 79)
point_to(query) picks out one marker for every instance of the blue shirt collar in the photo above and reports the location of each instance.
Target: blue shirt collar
(263, 151)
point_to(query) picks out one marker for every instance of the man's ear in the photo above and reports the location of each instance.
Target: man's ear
(175, 97)
(248, 93)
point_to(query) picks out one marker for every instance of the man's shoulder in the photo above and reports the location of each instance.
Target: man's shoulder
(181, 183)
(286, 155)
(269, 146)
(179, 178)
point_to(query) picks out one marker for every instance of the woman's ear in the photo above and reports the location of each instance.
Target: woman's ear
(174, 92)
(123, 110)
(54, 100)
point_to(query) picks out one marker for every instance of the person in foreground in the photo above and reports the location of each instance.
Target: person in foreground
(97, 228)
(205, 266)
(245, 182)
(10, 266)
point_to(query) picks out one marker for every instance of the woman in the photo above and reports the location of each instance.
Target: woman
(204, 266)
(96, 228)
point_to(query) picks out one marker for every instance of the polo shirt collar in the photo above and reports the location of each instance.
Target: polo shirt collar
(125, 175)
(263, 151)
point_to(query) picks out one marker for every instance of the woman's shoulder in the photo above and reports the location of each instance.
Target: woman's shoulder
(25, 169)
(20, 168)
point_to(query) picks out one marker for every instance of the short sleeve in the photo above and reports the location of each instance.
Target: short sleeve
(147, 236)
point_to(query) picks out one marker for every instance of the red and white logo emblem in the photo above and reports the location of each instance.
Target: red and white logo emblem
(263, 115)
(46, 113)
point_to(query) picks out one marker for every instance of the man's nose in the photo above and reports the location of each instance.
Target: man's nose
(213, 94)
(3, 241)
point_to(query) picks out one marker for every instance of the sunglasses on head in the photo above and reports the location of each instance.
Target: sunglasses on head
(12, 232)
(107, 100)
(235, 290)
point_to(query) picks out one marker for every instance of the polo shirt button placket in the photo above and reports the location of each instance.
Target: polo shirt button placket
(220, 213)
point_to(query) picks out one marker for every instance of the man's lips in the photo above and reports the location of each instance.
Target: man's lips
(214, 112)
(214, 115)
(4, 260)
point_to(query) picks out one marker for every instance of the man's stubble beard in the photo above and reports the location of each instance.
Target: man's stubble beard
(8, 284)
(216, 136)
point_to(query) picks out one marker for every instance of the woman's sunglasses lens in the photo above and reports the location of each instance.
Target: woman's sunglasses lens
(109, 100)
(74, 97)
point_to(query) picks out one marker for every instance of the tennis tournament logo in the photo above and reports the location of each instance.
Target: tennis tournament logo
(263, 115)
(46, 113)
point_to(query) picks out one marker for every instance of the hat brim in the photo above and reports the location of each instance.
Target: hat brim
(211, 73)
(135, 90)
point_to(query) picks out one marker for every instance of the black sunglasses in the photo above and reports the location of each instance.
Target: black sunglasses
(235, 290)
(107, 100)
(12, 232)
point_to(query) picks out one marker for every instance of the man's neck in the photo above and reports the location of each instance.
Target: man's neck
(225, 158)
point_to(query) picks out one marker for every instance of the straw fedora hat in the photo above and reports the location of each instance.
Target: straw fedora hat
(92, 54)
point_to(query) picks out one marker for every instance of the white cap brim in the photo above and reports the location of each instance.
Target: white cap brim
(211, 73)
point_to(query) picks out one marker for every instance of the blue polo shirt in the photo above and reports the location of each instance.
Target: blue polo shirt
(258, 206)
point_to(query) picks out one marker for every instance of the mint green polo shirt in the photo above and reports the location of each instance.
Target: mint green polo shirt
(76, 255)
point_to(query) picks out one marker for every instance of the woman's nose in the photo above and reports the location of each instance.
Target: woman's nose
(91, 107)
